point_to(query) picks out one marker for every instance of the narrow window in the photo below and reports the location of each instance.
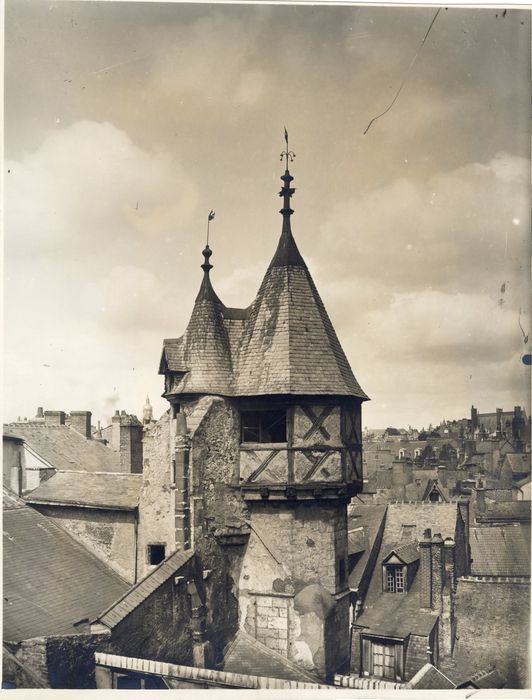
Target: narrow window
(156, 553)
(263, 426)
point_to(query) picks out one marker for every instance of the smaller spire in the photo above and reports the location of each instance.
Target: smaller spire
(287, 191)
(147, 412)
(206, 291)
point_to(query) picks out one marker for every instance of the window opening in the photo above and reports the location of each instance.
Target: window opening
(156, 553)
(263, 426)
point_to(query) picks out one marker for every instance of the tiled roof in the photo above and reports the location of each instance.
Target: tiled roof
(510, 511)
(248, 656)
(289, 345)
(518, 462)
(430, 678)
(50, 581)
(283, 344)
(65, 448)
(208, 676)
(138, 593)
(500, 550)
(97, 489)
(397, 615)
(407, 552)
(369, 517)
(485, 679)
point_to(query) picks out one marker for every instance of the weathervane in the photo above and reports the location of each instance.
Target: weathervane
(209, 219)
(289, 155)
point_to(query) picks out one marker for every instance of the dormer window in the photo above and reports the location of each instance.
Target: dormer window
(263, 426)
(399, 568)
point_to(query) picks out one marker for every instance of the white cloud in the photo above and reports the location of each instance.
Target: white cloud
(88, 185)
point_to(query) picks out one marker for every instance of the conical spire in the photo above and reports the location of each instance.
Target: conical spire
(206, 291)
(289, 345)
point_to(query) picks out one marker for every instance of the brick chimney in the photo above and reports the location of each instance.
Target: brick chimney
(126, 439)
(437, 565)
(425, 570)
(80, 421)
(442, 475)
(54, 417)
(40, 413)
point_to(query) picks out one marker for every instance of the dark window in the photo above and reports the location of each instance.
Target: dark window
(156, 553)
(263, 426)
(124, 682)
(341, 571)
(395, 579)
(434, 496)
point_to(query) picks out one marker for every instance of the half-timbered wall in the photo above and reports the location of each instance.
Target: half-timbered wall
(323, 446)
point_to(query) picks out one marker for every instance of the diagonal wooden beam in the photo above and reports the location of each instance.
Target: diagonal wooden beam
(317, 462)
(317, 421)
(262, 467)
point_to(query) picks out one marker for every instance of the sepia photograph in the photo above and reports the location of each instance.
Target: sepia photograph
(266, 380)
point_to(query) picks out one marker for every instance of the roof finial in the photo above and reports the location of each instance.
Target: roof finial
(287, 191)
(207, 252)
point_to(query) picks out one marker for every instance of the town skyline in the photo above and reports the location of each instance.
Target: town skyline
(415, 233)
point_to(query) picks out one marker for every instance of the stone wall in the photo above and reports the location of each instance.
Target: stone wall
(493, 628)
(156, 509)
(416, 655)
(61, 662)
(216, 505)
(109, 534)
(293, 572)
(160, 627)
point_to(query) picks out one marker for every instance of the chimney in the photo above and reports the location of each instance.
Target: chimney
(442, 475)
(425, 572)
(127, 441)
(80, 421)
(449, 549)
(480, 499)
(54, 417)
(499, 420)
(474, 418)
(40, 413)
(437, 571)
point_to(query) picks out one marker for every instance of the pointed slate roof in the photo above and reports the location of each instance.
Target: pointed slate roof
(289, 345)
(284, 343)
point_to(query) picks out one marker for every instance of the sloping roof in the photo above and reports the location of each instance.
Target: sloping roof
(430, 678)
(485, 679)
(518, 462)
(138, 593)
(440, 517)
(248, 656)
(398, 615)
(210, 677)
(370, 517)
(289, 345)
(96, 489)
(50, 581)
(407, 552)
(500, 550)
(65, 448)
(509, 511)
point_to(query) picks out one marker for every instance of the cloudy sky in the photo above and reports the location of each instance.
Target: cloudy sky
(125, 123)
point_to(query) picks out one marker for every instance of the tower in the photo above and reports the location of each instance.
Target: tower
(274, 457)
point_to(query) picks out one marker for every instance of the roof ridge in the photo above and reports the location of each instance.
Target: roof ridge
(188, 554)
